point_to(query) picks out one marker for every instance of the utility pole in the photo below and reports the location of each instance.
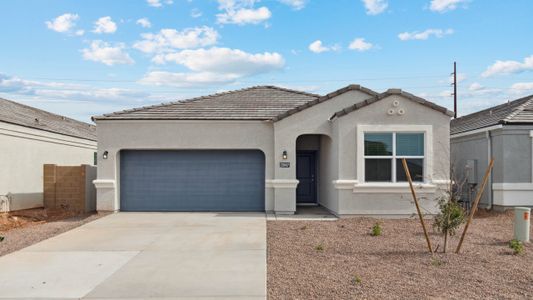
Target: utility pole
(454, 89)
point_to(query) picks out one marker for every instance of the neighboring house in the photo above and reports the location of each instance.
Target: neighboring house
(30, 138)
(270, 149)
(504, 132)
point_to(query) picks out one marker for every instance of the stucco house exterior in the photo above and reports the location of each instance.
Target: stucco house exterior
(267, 148)
(504, 132)
(30, 138)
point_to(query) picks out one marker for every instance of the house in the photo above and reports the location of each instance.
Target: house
(267, 148)
(30, 138)
(504, 132)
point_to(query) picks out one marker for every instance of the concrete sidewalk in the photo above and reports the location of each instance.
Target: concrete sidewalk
(144, 255)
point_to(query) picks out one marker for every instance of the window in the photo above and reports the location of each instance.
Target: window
(384, 152)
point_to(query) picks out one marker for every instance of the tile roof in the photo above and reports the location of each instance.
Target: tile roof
(352, 87)
(388, 93)
(27, 116)
(519, 111)
(254, 103)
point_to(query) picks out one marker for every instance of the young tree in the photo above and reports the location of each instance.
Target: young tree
(450, 217)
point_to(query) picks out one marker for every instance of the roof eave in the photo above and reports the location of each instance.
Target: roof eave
(391, 92)
(351, 87)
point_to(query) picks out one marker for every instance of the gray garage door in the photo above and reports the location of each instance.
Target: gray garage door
(192, 180)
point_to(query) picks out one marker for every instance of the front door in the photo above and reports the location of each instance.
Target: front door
(306, 175)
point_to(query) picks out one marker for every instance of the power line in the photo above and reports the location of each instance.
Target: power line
(244, 81)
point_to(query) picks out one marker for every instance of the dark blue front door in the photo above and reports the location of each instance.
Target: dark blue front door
(306, 175)
(192, 180)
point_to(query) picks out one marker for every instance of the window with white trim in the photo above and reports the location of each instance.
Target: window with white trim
(384, 152)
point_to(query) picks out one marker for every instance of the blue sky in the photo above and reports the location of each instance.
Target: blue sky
(83, 58)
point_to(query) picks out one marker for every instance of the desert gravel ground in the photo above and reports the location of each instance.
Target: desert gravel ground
(35, 231)
(355, 265)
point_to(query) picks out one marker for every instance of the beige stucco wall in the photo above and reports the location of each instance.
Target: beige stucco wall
(358, 197)
(24, 151)
(114, 136)
(338, 186)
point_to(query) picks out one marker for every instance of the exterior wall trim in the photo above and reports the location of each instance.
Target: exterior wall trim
(513, 194)
(476, 131)
(281, 183)
(104, 183)
(344, 184)
(49, 137)
(384, 188)
(522, 186)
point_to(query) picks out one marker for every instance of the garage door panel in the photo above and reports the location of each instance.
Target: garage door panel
(191, 180)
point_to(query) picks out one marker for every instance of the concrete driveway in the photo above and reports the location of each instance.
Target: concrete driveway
(144, 255)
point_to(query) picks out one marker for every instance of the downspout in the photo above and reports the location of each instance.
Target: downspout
(489, 157)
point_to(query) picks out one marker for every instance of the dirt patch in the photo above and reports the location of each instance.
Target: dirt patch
(23, 228)
(341, 260)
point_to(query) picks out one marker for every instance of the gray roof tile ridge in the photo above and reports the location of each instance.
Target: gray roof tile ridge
(202, 98)
(326, 97)
(518, 109)
(64, 118)
(493, 108)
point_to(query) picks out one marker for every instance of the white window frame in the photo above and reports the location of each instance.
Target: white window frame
(394, 156)
(428, 150)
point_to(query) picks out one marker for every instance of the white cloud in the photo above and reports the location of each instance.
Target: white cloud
(63, 23)
(224, 60)
(105, 53)
(61, 92)
(196, 13)
(105, 25)
(522, 86)
(446, 5)
(168, 39)
(241, 12)
(158, 3)
(375, 7)
(79, 32)
(162, 78)
(460, 78)
(475, 87)
(144, 22)
(318, 47)
(213, 66)
(244, 16)
(296, 4)
(235, 4)
(424, 35)
(359, 44)
(509, 67)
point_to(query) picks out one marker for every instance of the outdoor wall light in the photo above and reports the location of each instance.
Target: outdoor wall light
(104, 156)
(284, 154)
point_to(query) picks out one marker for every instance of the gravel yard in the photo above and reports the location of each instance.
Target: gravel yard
(340, 259)
(21, 229)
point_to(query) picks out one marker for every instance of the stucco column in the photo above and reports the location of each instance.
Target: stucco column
(284, 182)
(106, 181)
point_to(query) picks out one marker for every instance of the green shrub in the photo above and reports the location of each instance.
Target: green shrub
(517, 246)
(1, 238)
(303, 227)
(356, 280)
(319, 247)
(450, 217)
(376, 229)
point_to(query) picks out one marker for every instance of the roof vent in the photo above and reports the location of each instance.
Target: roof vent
(490, 112)
(36, 120)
